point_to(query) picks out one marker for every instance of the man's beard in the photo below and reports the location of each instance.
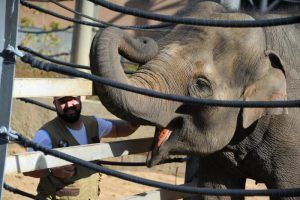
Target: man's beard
(70, 118)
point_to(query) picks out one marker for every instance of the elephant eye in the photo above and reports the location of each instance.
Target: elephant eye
(200, 87)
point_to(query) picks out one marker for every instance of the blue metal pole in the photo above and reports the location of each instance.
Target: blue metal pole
(8, 35)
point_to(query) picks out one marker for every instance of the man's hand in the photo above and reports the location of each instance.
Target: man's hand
(37, 173)
(64, 172)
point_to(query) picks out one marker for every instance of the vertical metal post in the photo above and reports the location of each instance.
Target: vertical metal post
(8, 35)
(263, 5)
(233, 5)
(82, 34)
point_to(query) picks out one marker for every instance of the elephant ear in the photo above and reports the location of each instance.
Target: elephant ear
(271, 87)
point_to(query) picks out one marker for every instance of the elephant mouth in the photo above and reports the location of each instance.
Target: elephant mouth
(161, 145)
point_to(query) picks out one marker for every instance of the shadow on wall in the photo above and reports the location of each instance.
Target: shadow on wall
(156, 6)
(28, 118)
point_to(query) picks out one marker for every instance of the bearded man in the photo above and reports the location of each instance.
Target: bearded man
(70, 128)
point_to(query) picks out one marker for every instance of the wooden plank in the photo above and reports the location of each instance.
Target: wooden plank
(31, 161)
(161, 194)
(45, 87)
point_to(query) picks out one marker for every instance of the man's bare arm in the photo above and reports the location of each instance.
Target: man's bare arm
(122, 129)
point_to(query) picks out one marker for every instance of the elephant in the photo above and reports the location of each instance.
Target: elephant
(243, 64)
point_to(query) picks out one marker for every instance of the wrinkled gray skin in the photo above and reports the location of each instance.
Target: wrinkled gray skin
(247, 64)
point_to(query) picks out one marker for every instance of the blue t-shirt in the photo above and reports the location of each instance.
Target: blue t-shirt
(42, 137)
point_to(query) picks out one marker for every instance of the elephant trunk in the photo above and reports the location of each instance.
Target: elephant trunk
(105, 62)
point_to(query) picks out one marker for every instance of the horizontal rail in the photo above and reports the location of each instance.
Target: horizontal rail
(46, 87)
(31, 161)
(161, 194)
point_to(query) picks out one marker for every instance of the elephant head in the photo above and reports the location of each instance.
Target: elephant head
(196, 61)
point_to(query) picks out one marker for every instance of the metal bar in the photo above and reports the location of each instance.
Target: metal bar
(232, 5)
(82, 34)
(9, 14)
(263, 5)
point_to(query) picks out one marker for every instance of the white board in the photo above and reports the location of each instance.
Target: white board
(48, 87)
(31, 161)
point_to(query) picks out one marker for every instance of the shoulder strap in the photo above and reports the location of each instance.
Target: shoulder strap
(91, 126)
(59, 134)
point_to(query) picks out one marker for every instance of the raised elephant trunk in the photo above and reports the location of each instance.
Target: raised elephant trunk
(105, 62)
